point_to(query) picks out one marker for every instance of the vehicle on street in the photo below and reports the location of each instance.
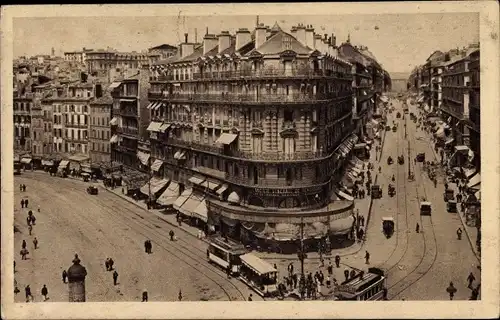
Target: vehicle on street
(86, 176)
(259, 275)
(225, 253)
(401, 159)
(448, 195)
(394, 128)
(376, 192)
(425, 208)
(387, 128)
(388, 226)
(389, 160)
(92, 190)
(363, 287)
(451, 206)
(421, 157)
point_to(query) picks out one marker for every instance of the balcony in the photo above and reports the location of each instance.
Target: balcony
(254, 98)
(76, 125)
(156, 95)
(269, 73)
(195, 145)
(278, 156)
(125, 112)
(131, 131)
(289, 125)
(126, 148)
(269, 183)
(76, 140)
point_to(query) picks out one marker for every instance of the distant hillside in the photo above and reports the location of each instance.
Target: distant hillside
(399, 75)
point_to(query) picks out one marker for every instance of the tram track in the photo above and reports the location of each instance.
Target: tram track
(429, 256)
(194, 261)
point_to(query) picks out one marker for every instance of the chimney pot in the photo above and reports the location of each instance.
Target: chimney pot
(185, 38)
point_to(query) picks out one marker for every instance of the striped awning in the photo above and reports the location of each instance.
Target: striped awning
(154, 126)
(156, 165)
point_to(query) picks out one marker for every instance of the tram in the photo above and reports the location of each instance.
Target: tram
(363, 287)
(225, 253)
(259, 275)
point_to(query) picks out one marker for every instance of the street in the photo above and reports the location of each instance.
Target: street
(97, 227)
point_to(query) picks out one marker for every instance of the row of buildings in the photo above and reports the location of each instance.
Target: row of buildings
(251, 133)
(448, 84)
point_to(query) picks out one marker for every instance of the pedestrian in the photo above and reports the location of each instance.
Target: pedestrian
(180, 295)
(24, 244)
(451, 290)
(115, 277)
(470, 279)
(295, 280)
(111, 263)
(337, 262)
(24, 252)
(328, 281)
(321, 260)
(250, 297)
(146, 249)
(38, 209)
(30, 228)
(362, 218)
(346, 274)
(417, 229)
(321, 277)
(35, 243)
(144, 295)
(150, 246)
(45, 292)
(290, 268)
(22, 203)
(26, 203)
(367, 257)
(64, 276)
(171, 234)
(27, 291)
(445, 186)
(14, 266)
(361, 234)
(352, 274)
(24, 188)
(106, 263)
(21, 187)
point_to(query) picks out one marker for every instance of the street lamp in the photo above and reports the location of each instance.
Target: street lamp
(301, 255)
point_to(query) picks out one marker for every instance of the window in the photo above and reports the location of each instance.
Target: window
(257, 144)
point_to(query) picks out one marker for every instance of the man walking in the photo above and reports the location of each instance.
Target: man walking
(64, 276)
(145, 296)
(367, 257)
(45, 292)
(417, 229)
(470, 279)
(35, 243)
(337, 261)
(26, 203)
(115, 278)
(22, 203)
(27, 291)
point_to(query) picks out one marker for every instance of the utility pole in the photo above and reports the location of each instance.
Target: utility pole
(149, 181)
(301, 254)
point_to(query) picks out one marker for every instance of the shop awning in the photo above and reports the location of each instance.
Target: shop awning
(344, 195)
(384, 99)
(375, 122)
(258, 265)
(341, 226)
(210, 184)
(168, 197)
(114, 85)
(154, 185)
(462, 149)
(143, 157)
(154, 126)
(157, 106)
(156, 165)
(164, 127)
(79, 158)
(449, 141)
(201, 211)
(151, 105)
(226, 138)
(355, 169)
(440, 133)
(127, 100)
(360, 146)
(86, 169)
(182, 198)
(223, 188)
(470, 172)
(63, 164)
(474, 181)
(113, 121)
(114, 139)
(26, 160)
(180, 155)
(196, 180)
(420, 99)
(191, 203)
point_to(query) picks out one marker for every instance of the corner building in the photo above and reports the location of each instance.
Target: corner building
(253, 131)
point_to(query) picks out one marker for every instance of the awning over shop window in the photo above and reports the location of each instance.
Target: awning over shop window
(182, 198)
(63, 164)
(191, 203)
(47, 163)
(151, 105)
(344, 196)
(201, 211)
(223, 188)
(226, 138)
(164, 127)
(113, 121)
(156, 165)
(360, 146)
(26, 160)
(154, 185)
(127, 100)
(462, 149)
(210, 184)
(114, 85)
(341, 226)
(114, 139)
(168, 197)
(154, 126)
(258, 265)
(143, 157)
(440, 133)
(475, 181)
(196, 180)
(384, 99)
(86, 169)
(79, 158)
(180, 155)
(157, 106)
(469, 173)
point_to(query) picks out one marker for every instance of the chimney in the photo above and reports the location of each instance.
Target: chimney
(243, 37)
(209, 42)
(310, 40)
(224, 40)
(268, 32)
(317, 42)
(260, 36)
(334, 40)
(301, 34)
(186, 47)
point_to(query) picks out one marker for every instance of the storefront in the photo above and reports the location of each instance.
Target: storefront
(27, 162)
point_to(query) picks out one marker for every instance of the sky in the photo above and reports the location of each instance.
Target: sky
(399, 41)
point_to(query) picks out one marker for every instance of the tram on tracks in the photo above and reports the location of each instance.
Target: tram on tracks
(259, 275)
(224, 253)
(363, 286)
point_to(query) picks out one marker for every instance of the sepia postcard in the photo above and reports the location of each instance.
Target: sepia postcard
(244, 161)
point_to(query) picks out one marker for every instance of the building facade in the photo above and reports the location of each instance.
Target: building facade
(100, 130)
(264, 122)
(23, 103)
(164, 51)
(106, 62)
(77, 56)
